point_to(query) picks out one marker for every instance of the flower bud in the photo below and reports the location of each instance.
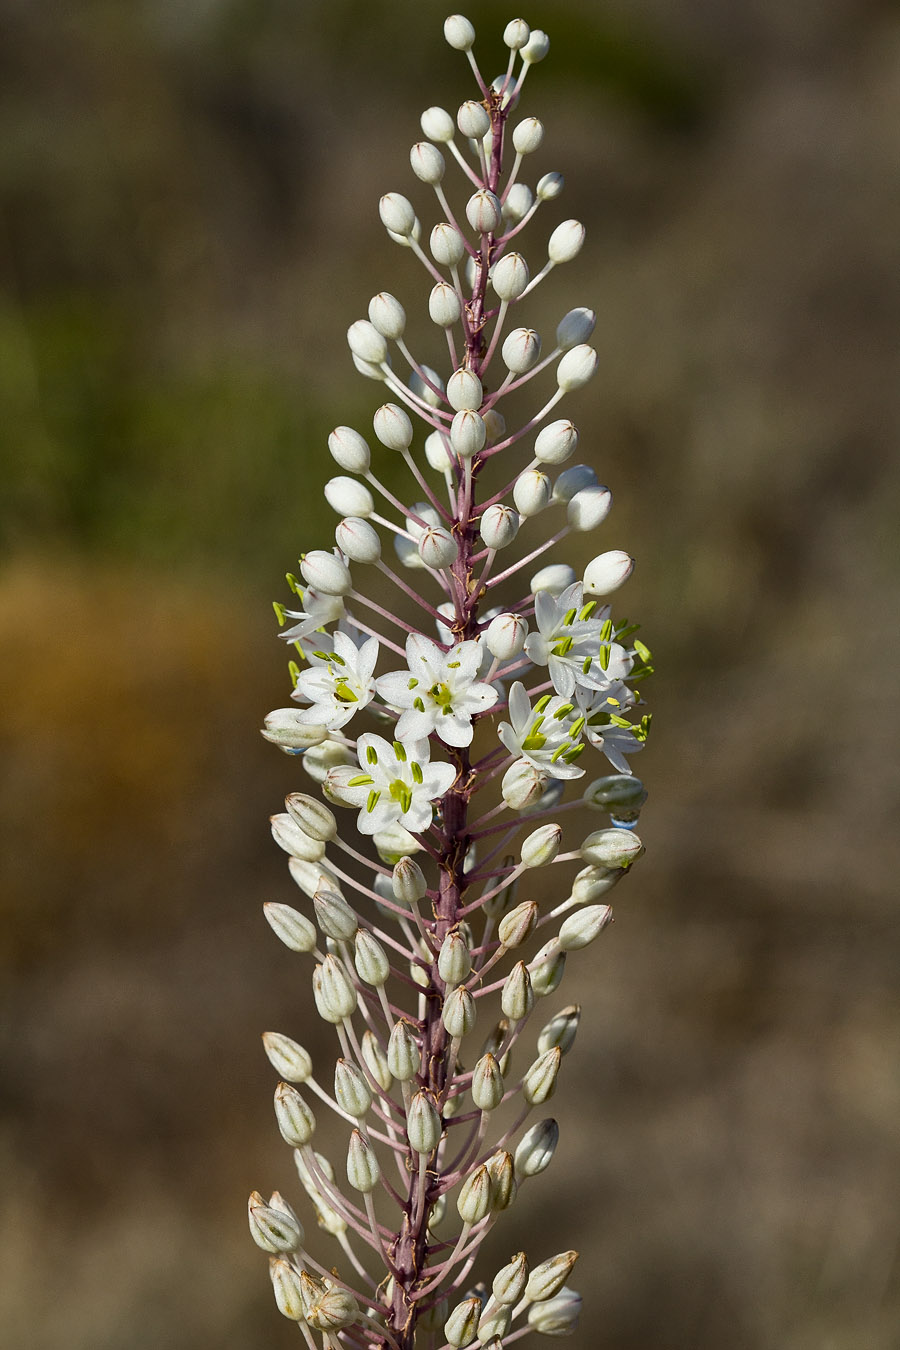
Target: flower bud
(403, 1053)
(542, 846)
(467, 433)
(368, 368)
(576, 367)
(334, 995)
(505, 636)
(535, 1150)
(437, 548)
(473, 120)
(593, 882)
(444, 308)
(622, 794)
(370, 959)
(531, 492)
(421, 511)
(437, 124)
(583, 926)
(461, 1327)
(474, 1199)
(447, 244)
(499, 525)
(612, 848)
(272, 1229)
(521, 350)
(334, 916)
(517, 996)
(366, 342)
(571, 481)
(560, 1030)
(454, 961)
(363, 1170)
(358, 540)
(607, 572)
(550, 186)
(589, 507)
(437, 452)
(292, 927)
(547, 969)
(286, 1288)
(527, 136)
(427, 162)
(502, 1172)
(494, 1323)
(483, 211)
(539, 1083)
(495, 424)
(566, 241)
(408, 882)
(575, 327)
(334, 1310)
(464, 391)
(349, 450)
(351, 1091)
(312, 877)
(554, 578)
(487, 1084)
(376, 1060)
(335, 784)
(431, 392)
(518, 925)
(459, 33)
(326, 573)
(320, 758)
(509, 276)
(536, 48)
(423, 1124)
(548, 1278)
(296, 1121)
(386, 314)
(284, 728)
(523, 786)
(458, 1015)
(557, 1316)
(519, 200)
(393, 427)
(515, 35)
(397, 214)
(289, 1060)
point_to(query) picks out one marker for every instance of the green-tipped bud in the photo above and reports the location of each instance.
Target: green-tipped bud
(335, 917)
(312, 816)
(370, 959)
(518, 925)
(458, 1014)
(517, 995)
(612, 848)
(502, 1171)
(375, 1061)
(286, 1287)
(547, 1279)
(536, 1148)
(547, 969)
(583, 926)
(296, 1121)
(539, 1083)
(557, 1316)
(509, 1282)
(541, 846)
(475, 1196)
(351, 1089)
(363, 1170)
(272, 1229)
(561, 1030)
(461, 1327)
(454, 961)
(289, 1060)
(404, 1056)
(487, 1084)
(408, 881)
(289, 836)
(423, 1124)
(334, 994)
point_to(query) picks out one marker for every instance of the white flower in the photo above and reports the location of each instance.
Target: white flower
(339, 682)
(575, 641)
(604, 725)
(548, 737)
(397, 784)
(319, 610)
(438, 692)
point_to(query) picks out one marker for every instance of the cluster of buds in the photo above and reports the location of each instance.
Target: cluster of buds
(427, 958)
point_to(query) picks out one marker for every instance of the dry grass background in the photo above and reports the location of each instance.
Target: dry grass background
(188, 226)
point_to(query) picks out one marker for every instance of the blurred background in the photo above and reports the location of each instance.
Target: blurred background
(188, 226)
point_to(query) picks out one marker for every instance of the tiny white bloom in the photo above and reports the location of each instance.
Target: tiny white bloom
(318, 610)
(604, 724)
(338, 682)
(396, 784)
(547, 736)
(438, 692)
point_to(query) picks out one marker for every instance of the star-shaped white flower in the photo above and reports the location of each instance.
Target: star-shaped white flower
(547, 736)
(575, 641)
(397, 784)
(605, 726)
(319, 610)
(338, 682)
(438, 692)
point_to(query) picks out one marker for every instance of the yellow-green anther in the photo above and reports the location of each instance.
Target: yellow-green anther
(643, 651)
(563, 647)
(542, 703)
(586, 664)
(588, 609)
(371, 754)
(343, 692)
(279, 613)
(577, 727)
(294, 672)
(573, 752)
(373, 800)
(569, 617)
(606, 632)
(401, 792)
(413, 684)
(400, 751)
(418, 705)
(563, 711)
(360, 780)
(603, 656)
(416, 772)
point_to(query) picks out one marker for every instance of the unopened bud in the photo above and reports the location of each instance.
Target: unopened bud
(487, 1084)
(557, 1316)
(517, 996)
(348, 496)
(473, 120)
(447, 245)
(566, 241)
(393, 427)
(573, 480)
(467, 433)
(437, 548)
(367, 342)
(326, 573)
(475, 1196)
(577, 366)
(296, 1121)
(499, 526)
(531, 492)
(459, 33)
(527, 136)
(519, 200)
(334, 1310)
(536, 1148)
(408, 882)
(509, 1282)
(454, 961)
(548, 1278)
(314, 818)
(292, 927)
(386, 313)
(483, 211)
(520, 350)
(370, 959)
(542, 846)
(575, 327)
(536, 48)
(516, 34)
(505, 636)
(607, 572)
(458, 1013)
(502, 1171)
(427, 162)
(403, 1053)
(589, 507)
(272, 1229)
(375, 1060)
(423, 1124)
(289, 836)
(539, 1082)
(464, 390)
(444, 308)
(550, 186)
(285, 728)
(286, 1287)
(289, 1060)
(560, 1030)
(327, 755)
(437, 124)
(363, 1170)
(427, 385)
(397, 214)
(358, 540)
(547, 969)
(334, 916)
(580, 928)
(612, 848)
(518, 925)
(349, 450)
(334, 995)
(509, 276)
(461, 1327)
(554, 578)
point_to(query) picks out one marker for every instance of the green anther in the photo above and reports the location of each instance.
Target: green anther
(557, 754)
(625, 629)
(614, 701)
(323, 656)
(598, 719)
(373, 800)
(563, 711)
(643, 731)
(418, 705)
(361, 780)
(343, 692)
(603, 656)
(292, 582)
(416, 771)
(294, 672)
(573, 752)
(542, 703)
(606, 631)
(402, 793)
(563, 647)
(586, 664)
(453, 665)
(371, 754)
(412, 684)
(279, 613)
(577, 727)
(569, 617)
(442, 696)
(534, 740)
(588, 609)
(620, 722)
(399, 750)
(643, 651)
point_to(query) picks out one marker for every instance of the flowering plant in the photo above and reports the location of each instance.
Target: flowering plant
(524, 690)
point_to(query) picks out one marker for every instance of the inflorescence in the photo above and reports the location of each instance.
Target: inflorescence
(539, 680)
